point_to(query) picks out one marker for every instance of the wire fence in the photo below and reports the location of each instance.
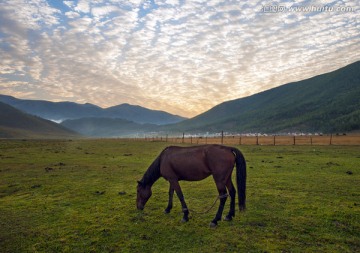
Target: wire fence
(260, 139)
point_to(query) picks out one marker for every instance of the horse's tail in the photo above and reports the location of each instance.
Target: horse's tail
(240, 177)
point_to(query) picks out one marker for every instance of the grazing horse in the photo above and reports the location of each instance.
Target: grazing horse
(194, 164)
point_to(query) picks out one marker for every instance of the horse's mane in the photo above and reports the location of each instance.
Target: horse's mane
(153, 172)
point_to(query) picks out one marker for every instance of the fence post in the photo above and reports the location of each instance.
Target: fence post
(331, 139)
(294, 140)
(183, 138)
(222, 137)
(274, 141)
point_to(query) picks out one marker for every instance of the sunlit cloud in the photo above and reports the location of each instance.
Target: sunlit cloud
(180, 56)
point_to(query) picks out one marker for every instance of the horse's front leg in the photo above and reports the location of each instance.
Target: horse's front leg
(175, 186)
(170, 203)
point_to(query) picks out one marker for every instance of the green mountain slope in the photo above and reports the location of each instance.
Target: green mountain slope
(325, 103)
(16, 124)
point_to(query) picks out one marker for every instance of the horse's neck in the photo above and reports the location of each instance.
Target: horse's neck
(153, 173)
(150, 179)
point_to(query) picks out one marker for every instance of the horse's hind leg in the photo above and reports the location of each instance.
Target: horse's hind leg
(232, 193)
(223, 196)
(170, 204)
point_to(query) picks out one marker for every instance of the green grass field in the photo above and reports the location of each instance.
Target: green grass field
(79, 196)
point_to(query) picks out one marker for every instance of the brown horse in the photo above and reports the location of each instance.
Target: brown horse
(194, 164)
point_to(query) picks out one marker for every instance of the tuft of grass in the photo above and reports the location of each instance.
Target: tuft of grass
(79, 196)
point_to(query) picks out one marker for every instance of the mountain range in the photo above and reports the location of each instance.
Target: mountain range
(60, 111)
(17, 124)
(328, 103)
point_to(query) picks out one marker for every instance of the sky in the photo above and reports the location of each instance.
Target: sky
(179, 56)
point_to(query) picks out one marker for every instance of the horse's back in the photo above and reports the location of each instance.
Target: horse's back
(196, 162)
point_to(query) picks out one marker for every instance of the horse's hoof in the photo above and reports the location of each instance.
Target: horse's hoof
(213, 225)
(228, 218)
(166, 211)
(183, 220)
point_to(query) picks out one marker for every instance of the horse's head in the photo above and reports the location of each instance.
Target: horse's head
(143, 195)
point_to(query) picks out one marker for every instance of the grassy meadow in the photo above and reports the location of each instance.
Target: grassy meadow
(79, 196)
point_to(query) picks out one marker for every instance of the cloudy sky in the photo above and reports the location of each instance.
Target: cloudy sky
(179, 56)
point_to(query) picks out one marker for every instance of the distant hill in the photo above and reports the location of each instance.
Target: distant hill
(60, 111)
(141, 115)
(16, 124)
(325, 103)
(108, 127)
